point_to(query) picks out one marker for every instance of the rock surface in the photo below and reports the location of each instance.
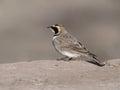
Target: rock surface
(60, 75)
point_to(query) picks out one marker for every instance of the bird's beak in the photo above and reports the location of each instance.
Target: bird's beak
(49, 27)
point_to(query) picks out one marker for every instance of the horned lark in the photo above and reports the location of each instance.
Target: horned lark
(69, 46)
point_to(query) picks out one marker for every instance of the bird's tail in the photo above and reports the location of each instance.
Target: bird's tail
(96, 60)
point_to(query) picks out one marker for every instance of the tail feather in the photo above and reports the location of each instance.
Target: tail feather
(92, 55)
(96, 60)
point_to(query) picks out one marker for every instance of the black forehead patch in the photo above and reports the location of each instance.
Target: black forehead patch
(57, 25)
(55, 29)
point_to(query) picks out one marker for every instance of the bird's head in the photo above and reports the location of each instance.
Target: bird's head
(58, 29)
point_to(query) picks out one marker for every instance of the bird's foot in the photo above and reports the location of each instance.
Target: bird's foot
(68, 59)
(65, 59)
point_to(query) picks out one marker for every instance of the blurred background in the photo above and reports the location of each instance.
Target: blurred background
(24, 36)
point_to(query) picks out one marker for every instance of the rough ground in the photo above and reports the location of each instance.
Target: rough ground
(59, 75)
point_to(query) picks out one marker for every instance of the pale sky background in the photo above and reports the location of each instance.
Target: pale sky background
(24, 36)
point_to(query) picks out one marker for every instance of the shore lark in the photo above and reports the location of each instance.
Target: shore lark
(69, 46)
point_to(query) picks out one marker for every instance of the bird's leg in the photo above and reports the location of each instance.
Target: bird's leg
(68, 59)
(65, 59)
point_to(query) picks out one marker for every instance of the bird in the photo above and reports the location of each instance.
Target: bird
(69, 46)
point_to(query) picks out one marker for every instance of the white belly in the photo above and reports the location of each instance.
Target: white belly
(69, 54)
(58, 46)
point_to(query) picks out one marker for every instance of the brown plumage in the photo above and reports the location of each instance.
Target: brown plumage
(69, 46)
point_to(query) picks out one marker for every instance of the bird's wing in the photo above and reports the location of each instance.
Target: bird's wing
(84, 50)
(78, 47)
(71, 43)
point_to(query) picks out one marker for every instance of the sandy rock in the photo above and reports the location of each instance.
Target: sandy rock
(60, 75)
